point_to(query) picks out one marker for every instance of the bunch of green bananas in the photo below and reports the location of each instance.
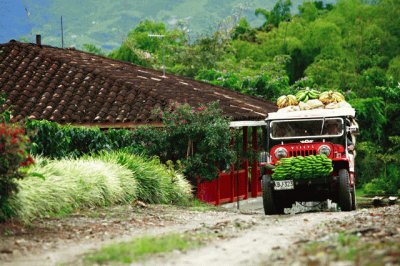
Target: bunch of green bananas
(307, 94)
(300, 167)
(328, 97)
(286, 100)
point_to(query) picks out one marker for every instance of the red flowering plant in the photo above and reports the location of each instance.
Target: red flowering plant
(14, 154)
(199, 137)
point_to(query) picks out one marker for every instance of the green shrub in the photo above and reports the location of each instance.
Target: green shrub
(155, 182)
(199, 137)
(56, 141)
(52, 140)
(48, 139)
(70, 184)
(385, 185)
(379, 168)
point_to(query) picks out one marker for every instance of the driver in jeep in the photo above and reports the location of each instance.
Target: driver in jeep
(332, 128)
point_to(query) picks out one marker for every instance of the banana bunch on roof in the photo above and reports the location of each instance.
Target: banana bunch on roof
(307, 94)
(328, 97)
(286, 100)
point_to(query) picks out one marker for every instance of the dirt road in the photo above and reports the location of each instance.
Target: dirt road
(248, 236)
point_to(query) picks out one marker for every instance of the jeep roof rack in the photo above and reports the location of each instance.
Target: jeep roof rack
(314, 113)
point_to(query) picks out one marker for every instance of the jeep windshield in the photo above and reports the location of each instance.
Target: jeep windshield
(306, 128)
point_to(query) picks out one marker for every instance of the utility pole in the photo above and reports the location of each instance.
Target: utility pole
(163, 49)
(62, 33)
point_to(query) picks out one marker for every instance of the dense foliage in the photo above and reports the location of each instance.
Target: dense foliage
(53, 140)
(352, 46)
(196, 136)
(199, 137)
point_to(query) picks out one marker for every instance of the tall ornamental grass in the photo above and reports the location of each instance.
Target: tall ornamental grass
(156, 183)
(56, 187)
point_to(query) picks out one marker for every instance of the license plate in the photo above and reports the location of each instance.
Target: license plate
(284, 184)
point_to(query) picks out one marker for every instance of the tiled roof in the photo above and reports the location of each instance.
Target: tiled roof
(70, 86)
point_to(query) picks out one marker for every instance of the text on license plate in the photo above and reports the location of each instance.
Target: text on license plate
(283, 184)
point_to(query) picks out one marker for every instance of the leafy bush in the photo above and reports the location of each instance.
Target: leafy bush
(383, 168)
(14, 146)
(55, 141)
(155, 182)
(199, 137)
(52, 140)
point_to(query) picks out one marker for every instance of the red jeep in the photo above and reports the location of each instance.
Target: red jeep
(304, 133)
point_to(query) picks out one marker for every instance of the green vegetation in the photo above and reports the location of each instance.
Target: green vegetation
(139, 248)
(59, 187)
(69, 184)
(345, 246)
(196, 138)
(155, 182)
(199, 137)
(349, 247)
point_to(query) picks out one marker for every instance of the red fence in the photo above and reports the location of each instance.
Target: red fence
(224, 188)
(229, 186)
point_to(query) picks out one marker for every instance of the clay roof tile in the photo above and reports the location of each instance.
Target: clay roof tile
(72, 86)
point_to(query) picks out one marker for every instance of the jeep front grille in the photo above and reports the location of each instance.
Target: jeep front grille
(302, 152)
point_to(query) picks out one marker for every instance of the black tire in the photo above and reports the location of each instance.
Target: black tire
(353, 199)
(270, 206)
(345, 197)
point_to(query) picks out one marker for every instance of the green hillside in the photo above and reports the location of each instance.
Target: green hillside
(106, 23)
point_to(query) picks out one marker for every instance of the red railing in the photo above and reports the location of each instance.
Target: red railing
(224, 188)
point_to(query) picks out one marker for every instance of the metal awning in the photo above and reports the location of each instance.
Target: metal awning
(236, 124)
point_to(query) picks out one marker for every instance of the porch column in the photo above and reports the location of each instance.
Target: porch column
(245, 162)
(254, 165)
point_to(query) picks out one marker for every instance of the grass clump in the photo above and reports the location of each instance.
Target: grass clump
(156, 183)
(358, 250)
(59, 187)
(140, 248)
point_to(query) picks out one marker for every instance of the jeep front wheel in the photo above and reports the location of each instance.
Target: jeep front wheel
(270, 206)
(345, 197)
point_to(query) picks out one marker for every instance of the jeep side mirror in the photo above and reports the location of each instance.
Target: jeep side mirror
(353, 130)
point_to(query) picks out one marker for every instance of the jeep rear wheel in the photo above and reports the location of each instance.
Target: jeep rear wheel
(353, 199)
(345, 196)
(270, 206)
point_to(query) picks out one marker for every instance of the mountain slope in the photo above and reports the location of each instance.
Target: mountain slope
(106, 23)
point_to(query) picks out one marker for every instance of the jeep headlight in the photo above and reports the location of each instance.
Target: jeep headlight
(324, 150)
(280, 153)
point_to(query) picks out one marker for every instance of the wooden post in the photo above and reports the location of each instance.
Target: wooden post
(254, 166)
(232, 167)
(245, 162)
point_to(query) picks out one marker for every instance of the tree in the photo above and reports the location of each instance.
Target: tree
(199, 137)
(280, 12)
(91, 48)
(143, 49)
